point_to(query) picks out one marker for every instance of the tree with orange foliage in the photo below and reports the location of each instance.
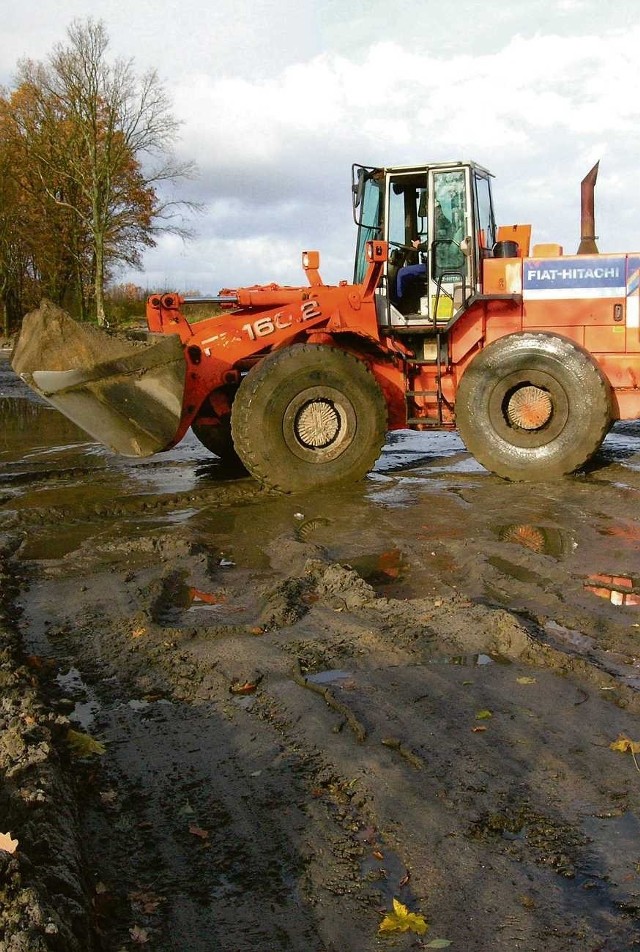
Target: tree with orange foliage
(93, 142)
(39, 238)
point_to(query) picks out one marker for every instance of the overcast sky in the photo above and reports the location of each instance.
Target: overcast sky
(277, 98)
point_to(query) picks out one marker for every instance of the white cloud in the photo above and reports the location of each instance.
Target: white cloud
(279, 97)
(275, 153)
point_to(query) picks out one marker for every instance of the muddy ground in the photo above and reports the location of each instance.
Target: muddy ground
(238, 721)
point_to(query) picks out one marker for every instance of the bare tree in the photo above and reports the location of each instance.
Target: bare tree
(102, 138)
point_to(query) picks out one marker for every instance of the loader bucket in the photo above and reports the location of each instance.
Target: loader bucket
(124, 393)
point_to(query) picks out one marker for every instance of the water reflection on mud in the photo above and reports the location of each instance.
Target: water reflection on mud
(27, 427)
(620, 590)
(622, 445)
(546, 540)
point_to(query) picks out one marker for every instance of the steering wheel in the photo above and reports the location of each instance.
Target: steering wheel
(398, 244)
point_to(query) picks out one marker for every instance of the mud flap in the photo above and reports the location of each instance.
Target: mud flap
(124, 393)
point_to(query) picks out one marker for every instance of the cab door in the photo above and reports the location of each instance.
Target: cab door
(406, 225)
(368, 193)
(451, 271)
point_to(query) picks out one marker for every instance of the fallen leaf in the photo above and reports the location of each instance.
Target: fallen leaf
(243, 687)
(484, 715)
(83, 745)
(101, 889)
(526, 680)
(438, 944)
(198, 831)
(625, 745)
(145, 901)
(401, 920)
(195, 595)
(405, 879)
(389, 563)
(139, 935)
(7, 844)
(138, 632)
(377, 855)
(478, 730)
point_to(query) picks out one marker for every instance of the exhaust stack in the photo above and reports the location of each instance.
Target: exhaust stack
(588, 244)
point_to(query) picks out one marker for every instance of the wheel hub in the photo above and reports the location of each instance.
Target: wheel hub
(529, 408)
(530, 537)
(317, 424)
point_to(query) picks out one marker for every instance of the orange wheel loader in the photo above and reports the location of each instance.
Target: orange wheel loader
(451, 321)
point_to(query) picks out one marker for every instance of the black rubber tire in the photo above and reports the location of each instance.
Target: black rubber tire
(570, 385)
(285, 395)
(217, 439)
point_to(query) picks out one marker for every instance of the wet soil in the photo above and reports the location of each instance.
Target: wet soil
(239, 721)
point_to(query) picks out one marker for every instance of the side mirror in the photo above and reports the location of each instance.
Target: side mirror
(358, 189)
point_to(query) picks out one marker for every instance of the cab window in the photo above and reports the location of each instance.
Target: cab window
(484, 211)
(368, 213)
(450, 207)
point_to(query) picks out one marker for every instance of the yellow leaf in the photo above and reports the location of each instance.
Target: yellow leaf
(483, 715)
(526, 680)
(625, 745)
(401, 920)
(139, 935)
(7, 844)
(83, 745)
(138, 632)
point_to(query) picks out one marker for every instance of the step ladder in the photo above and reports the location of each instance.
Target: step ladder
(433, 396)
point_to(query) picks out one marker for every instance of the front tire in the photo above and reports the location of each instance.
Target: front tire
(533, 407)
(308, 416)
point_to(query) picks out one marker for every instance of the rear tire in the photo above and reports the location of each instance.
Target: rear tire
(533, 407)
(308, 416)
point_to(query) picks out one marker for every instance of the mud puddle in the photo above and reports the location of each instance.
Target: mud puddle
(277, 714)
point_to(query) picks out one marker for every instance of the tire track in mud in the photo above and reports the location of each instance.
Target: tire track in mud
(257, 819)
(25, 511)
(250, 843)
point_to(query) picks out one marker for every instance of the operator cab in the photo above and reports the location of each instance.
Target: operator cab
(439, 223)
